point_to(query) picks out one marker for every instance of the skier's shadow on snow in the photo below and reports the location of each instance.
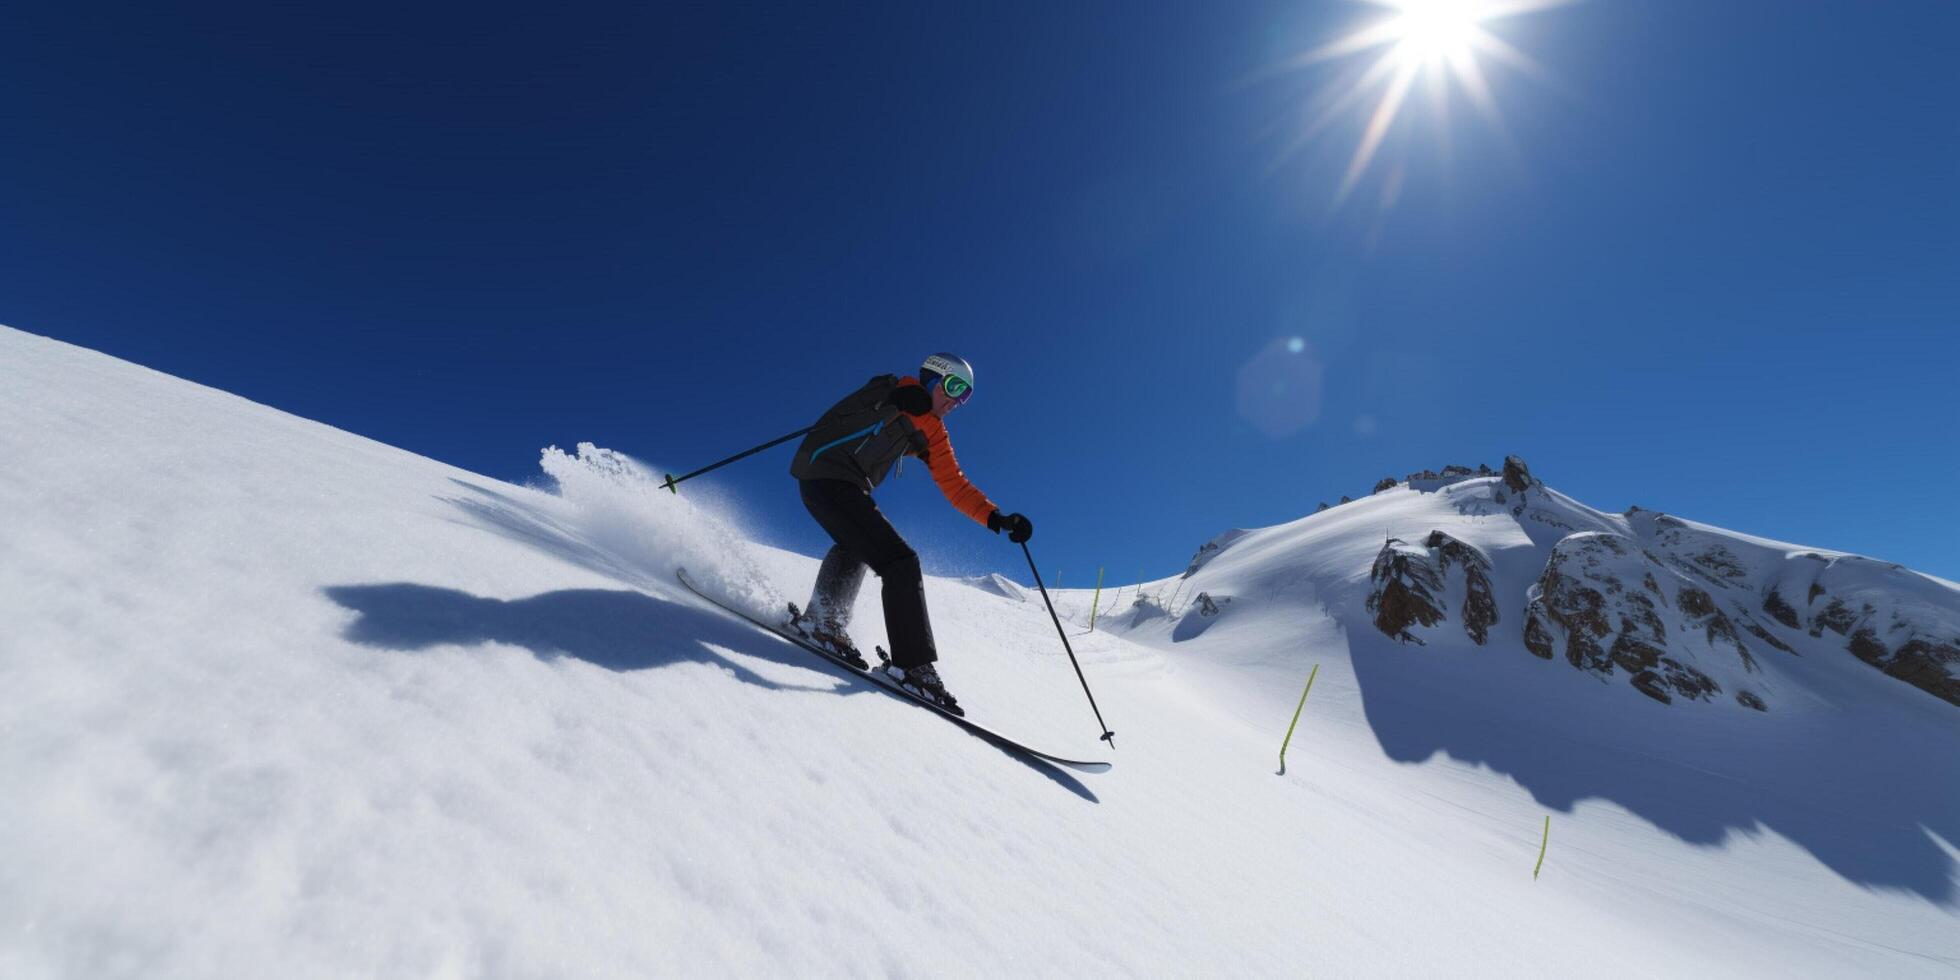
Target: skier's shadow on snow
(619, 630)
(615, 629)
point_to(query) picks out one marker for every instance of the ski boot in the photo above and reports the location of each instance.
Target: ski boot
(828, 635)
(921, 682)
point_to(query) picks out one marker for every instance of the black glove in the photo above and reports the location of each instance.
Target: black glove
(1018, 528)
(912, 399)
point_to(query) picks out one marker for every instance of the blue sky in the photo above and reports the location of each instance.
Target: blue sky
(1707, 264)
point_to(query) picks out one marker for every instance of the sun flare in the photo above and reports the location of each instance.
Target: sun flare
(1431, 31)
(1446, 39)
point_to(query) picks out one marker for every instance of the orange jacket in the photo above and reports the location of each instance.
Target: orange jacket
(960, 492)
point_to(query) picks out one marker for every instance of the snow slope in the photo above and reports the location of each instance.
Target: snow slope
(284, 701)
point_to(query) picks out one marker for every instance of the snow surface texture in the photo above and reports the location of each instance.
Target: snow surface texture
(282, 701)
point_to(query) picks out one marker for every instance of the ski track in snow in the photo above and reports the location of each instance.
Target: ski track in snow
(283, 701)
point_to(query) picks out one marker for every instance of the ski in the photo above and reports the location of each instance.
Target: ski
(879, 679)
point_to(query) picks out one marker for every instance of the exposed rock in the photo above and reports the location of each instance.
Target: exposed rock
(1207, 606)
(1928, 665)
(1688, 681)
(1718, 561)
(1483, 469)
(1649, 683)
(1756, 630)
(1323, 506)
(1781, 610)
(1411, 581)
(1836, 617)
(1211, 549)
(1866, 646)
(1889, 618)
(1680, 611)
(1479, 611)
(1583, 600)
(1720, 631)
(1919, 662)
(1517, 476)
(1406, 583)
(1537, 638)
(1345, 499)
(1566, 601)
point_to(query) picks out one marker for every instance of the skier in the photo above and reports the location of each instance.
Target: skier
(845, 456)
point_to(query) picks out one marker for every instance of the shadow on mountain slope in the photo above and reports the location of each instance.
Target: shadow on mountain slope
(1863, 794)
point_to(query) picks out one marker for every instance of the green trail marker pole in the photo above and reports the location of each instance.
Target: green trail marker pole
(1098, 603)
(1296, 721)
(1541, 847)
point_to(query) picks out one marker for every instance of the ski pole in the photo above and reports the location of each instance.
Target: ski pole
(672, 479)
(1107, 735)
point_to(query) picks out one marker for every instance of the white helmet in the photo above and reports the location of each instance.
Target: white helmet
(951, 371)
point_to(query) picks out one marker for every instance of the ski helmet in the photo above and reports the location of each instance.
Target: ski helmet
(950, 372)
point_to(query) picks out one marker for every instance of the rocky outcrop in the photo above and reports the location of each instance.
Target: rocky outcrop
(1929, 665)
(1410, 588)
(1678, 610)
(1884, 615)
(1836, 617)
(1479, 610)
(1430, 481)
(1211, 549)
(1209, 606)
(1406, 582)
(1599, 605)
(1517, 476)
(1717, 628)
(1780, 610)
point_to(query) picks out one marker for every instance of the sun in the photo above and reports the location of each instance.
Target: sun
(1445, 39)
(1430, 32)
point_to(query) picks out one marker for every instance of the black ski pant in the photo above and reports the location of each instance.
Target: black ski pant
(865, 538)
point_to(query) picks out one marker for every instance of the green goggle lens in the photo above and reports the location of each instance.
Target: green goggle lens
(957, 388)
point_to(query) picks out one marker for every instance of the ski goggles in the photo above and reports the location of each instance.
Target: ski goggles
(958, 389)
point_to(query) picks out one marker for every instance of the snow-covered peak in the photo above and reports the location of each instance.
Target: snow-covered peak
(1673, 608)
